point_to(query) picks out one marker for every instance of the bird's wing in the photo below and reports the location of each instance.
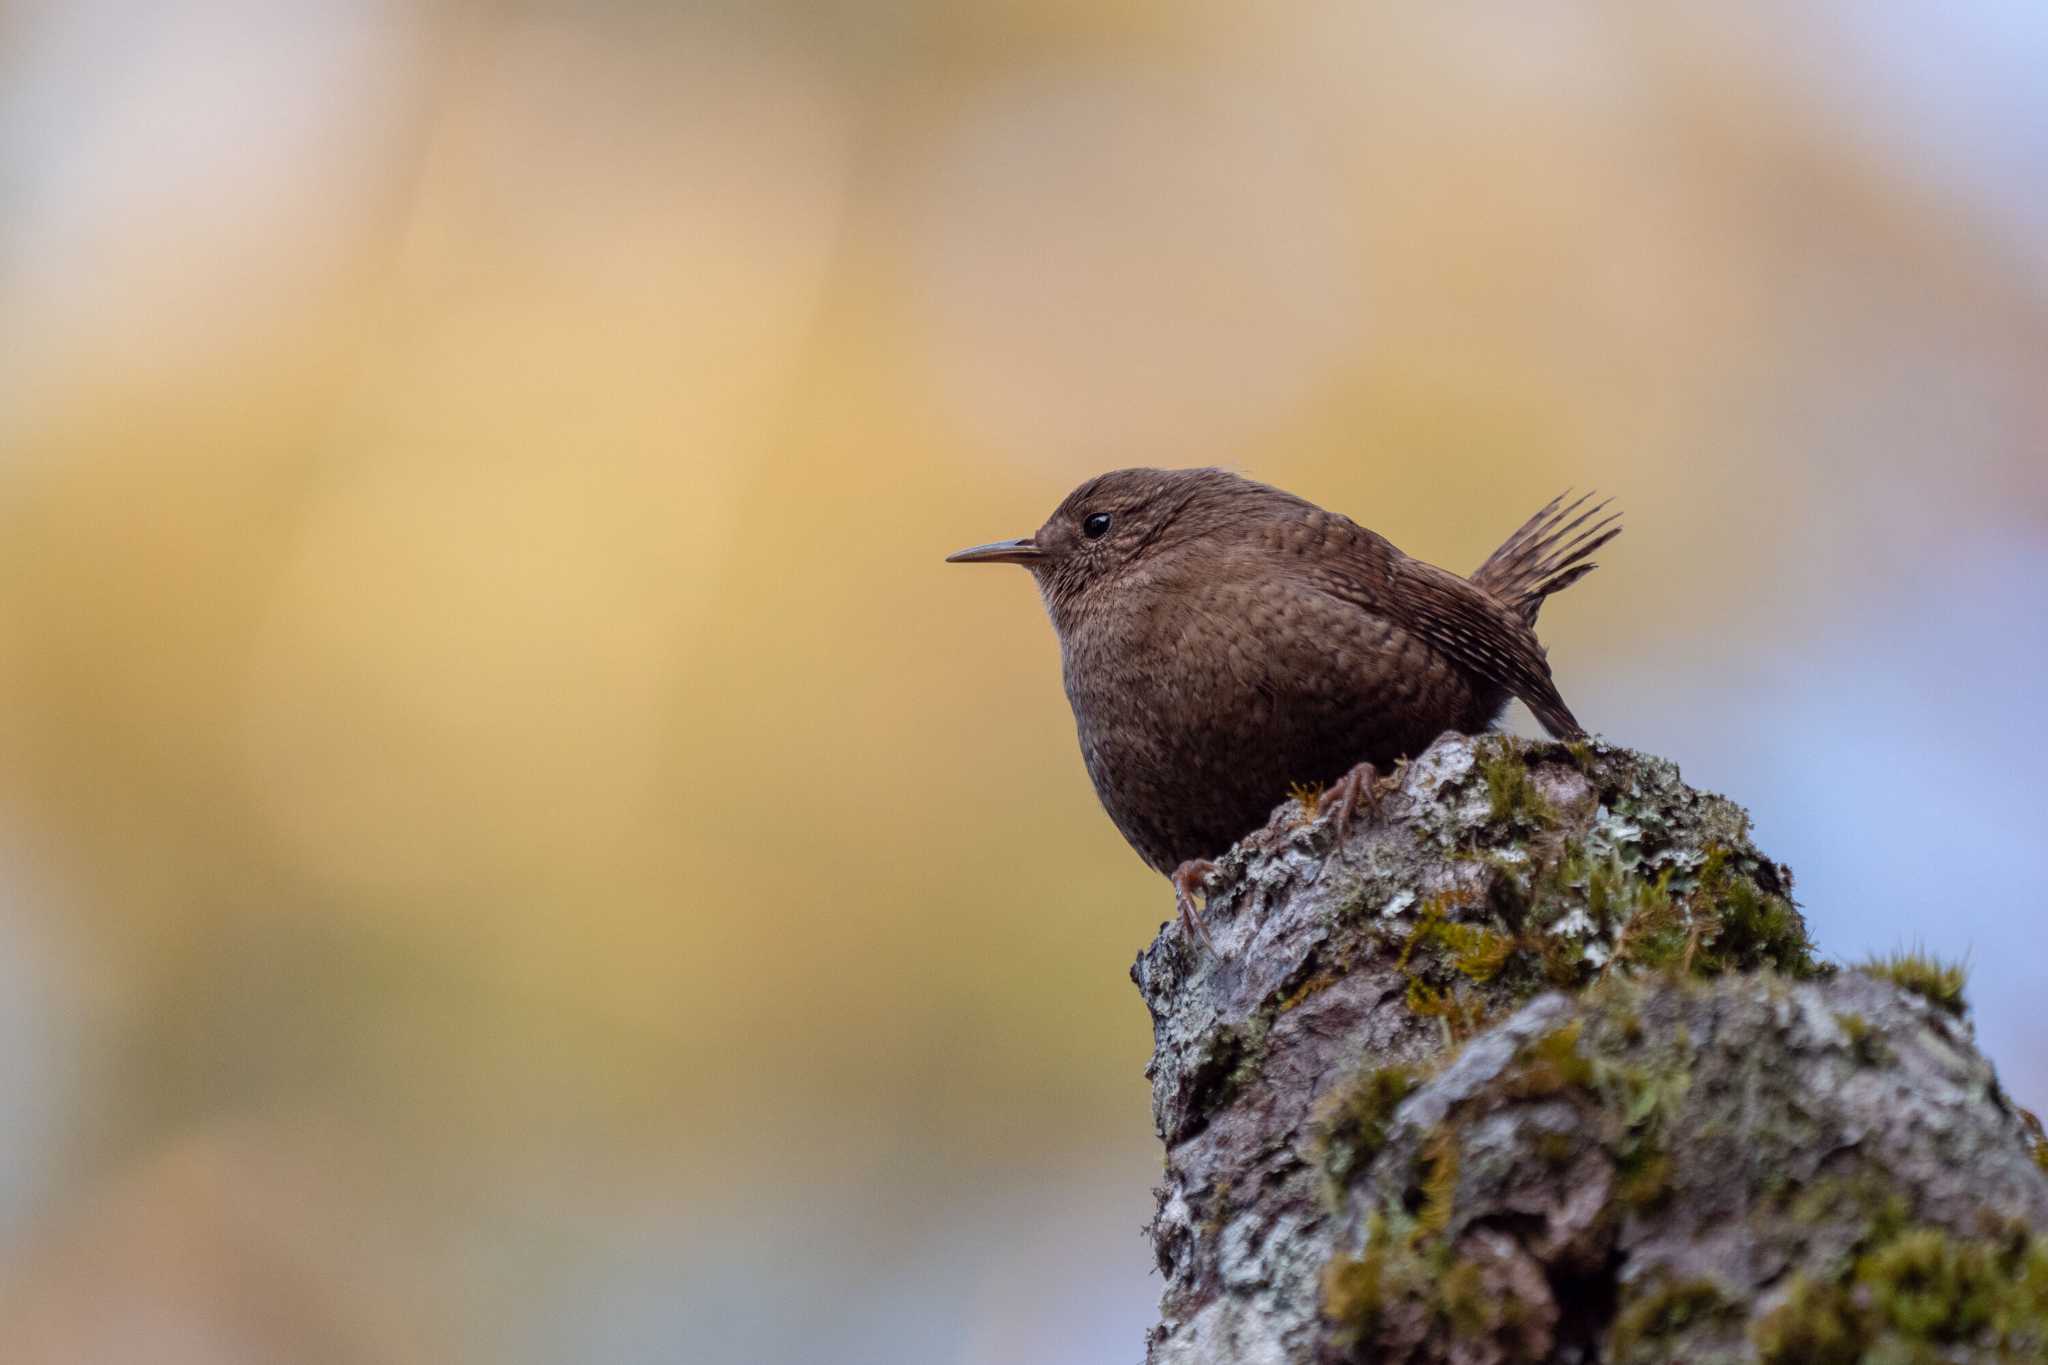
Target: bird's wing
(1482, 637)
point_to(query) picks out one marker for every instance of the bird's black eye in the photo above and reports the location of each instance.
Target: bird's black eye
(1095, 526)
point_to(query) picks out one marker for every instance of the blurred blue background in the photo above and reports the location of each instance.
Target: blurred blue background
(512, 846)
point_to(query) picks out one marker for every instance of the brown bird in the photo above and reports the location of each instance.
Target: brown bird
(1224, 642)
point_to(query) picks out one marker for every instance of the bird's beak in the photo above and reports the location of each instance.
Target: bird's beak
(998, 552)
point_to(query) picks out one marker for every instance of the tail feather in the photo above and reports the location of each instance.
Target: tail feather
(1544, 556)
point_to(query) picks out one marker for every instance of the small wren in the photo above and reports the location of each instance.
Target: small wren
(1224, 642)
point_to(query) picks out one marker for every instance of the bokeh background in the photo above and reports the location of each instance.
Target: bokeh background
(512, 846)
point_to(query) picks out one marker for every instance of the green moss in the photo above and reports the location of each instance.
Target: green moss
(1864, 1045)
(1511, 794)
(1310, 987)
(1704, 923)
(1627, 1023)
(1549, 1065)
(1308, 796)
(1644, 1176)
(1439, 1182)
(2037, 1138)
(1646, 1099)
(1442, 1295)
(1556, 1150)
(1915, 1288)
(1669, 870)
(1477, 951)
(1602, 881)
(1929, 1288)
(1619, 898)
(1251, 1052)
(1648, 1319)
(1445, 959)
(1816, 1325)
(1654, 933)
(1354, 1294)
(1640, 1101)
(1353, 1121)
(1462, 1014)
(1470, 1308)
(1465, 1300)
(1219, 1208)
(1394, 1265)
(1939, 983)
(1745, 926)
(1864, 1201)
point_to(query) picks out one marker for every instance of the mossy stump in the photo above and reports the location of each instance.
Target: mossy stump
(1536, 1063)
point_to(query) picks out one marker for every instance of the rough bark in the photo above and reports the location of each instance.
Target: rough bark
(1535, 1062)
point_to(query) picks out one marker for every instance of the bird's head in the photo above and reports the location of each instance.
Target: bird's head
(1120, 524)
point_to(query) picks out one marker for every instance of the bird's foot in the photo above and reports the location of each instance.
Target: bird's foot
(1361, 784)
(1187, 879)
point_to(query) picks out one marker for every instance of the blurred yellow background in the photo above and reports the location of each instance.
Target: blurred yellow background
(512, 845)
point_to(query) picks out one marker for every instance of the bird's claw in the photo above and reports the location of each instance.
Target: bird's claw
(1187, 879)
(1360, 784)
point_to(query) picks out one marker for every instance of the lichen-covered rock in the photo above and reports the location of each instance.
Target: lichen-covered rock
(1454, 1086)
(1745, 1169)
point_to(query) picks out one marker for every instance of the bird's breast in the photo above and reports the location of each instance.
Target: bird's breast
(1179, 693)
(1197, 711)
